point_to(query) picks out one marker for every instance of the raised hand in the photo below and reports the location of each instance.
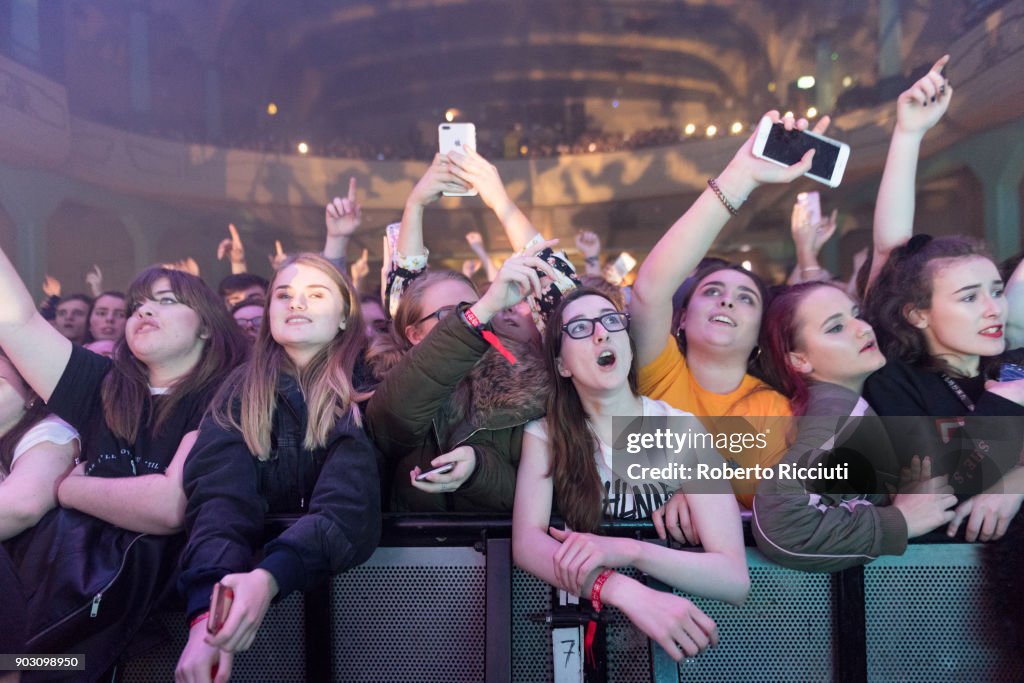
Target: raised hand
(231, 247)
(475, 241)
(518, 277)
(278, 257)
(343, 216)
(185, 265)
(470, 266)
(920, 106)
(476, 172)
(94, 278)
(588, 243)
(51, 286)
(437, 179)
(746, 172)
(361, 268)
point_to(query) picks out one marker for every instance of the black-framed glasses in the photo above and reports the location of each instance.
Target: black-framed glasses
(584, 327)
(440, 314)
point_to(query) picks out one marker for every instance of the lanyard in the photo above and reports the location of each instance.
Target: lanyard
(955, 388)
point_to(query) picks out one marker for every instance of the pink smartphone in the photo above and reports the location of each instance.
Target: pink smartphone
(220, 606)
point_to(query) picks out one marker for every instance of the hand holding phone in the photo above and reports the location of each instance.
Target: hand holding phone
(1009, 372)
(455, 137)
(443, 469)
(774, 143)
(220, 607)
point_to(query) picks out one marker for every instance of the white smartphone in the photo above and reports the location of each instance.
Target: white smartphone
(443, 469)
(786, 147)
(811, 204)
(452, 137)
(616, 272)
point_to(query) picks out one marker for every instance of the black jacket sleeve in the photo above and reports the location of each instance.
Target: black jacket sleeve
(224, 514)
(342, 527)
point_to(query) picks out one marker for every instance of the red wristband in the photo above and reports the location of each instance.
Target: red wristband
(595, 601)
(595, 592)
(489, 336)
(198, 620)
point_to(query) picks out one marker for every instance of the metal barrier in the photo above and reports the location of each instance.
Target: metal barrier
(440, 601)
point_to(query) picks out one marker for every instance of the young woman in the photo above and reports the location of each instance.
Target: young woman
(721, 317)
(592, 369)
(821, 352)
(939, 308)
(137, 415)
(283, 436)
(450, 396)
(43, 447)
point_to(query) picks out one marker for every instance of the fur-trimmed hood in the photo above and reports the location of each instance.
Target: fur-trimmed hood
(496, 394)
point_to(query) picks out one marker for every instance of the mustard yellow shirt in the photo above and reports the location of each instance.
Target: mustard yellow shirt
(753, 407)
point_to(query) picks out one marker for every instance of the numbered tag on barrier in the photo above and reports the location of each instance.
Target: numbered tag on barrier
(567, 646)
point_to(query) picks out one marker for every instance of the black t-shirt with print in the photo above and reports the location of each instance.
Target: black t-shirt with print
(77, 400)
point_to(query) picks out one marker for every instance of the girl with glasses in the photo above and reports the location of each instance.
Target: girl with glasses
(592, 374)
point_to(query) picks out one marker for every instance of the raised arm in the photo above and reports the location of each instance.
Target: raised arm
(342, 218)
(233, 248)
(150, 503)
(475, 171)
(679, 251)
(476, 242)
(917, 109)
(808, 239)
(589, 245)
(438, 178)
(38, 351)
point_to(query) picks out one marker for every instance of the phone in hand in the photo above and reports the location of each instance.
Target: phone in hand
(786, 147)
(220, 607)
(454, 137)
(617, 271)
(1008, 372)
(443, 469)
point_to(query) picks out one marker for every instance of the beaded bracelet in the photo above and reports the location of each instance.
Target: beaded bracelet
(713, 184)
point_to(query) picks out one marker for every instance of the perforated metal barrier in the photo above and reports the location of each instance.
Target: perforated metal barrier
(420, 614)
(411, 614)
(278, 653)
(928, 619)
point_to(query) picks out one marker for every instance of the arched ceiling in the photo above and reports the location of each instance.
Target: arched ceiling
(353, 67)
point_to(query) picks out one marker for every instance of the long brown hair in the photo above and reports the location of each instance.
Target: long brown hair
(326, 381)
(125, 391)
(577, 481)
(387, 349)
(906, 281)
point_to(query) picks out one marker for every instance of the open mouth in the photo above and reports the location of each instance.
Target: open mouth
(606, 358)
(723, 320)
(994, 332)
(296, 319)
(869, 346)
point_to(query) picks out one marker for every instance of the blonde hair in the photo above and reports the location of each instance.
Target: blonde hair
(325, 382)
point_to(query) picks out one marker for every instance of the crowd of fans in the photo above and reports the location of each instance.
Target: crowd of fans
(309, 396)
